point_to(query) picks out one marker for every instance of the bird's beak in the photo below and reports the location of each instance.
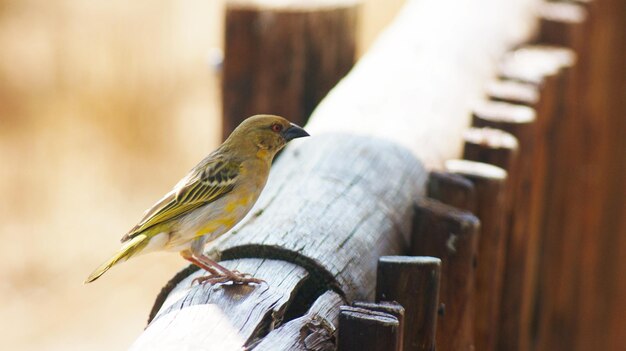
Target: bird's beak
(293, 132)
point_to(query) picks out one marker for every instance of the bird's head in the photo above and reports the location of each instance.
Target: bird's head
(265, 135)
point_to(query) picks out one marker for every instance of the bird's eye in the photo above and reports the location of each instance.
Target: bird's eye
(277, 128)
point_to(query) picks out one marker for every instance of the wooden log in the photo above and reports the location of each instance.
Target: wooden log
(357, 212)
(363, 329)
(490, 183)
(283, 57)
(451, 189)
(334, 203)
(414, 283)
(196, 315)
(315, 331)
(452, 235)
(518, 286)
(390, 307)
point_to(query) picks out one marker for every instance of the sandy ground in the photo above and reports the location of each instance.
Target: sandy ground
(104, 105)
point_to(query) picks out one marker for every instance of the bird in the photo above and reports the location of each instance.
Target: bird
(214, 196)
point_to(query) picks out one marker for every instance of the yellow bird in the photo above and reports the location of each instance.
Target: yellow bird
(213, 197)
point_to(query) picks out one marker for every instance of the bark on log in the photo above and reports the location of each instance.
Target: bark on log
(452, 235)
(283, 58)
(452, 189)
(315, 331)
(414, 283)
(335, 203)
(363, 329)
(490, 184)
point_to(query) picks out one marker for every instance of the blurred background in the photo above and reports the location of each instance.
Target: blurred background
(104, 105)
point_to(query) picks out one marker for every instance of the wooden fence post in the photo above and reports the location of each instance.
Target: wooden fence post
(518, 285)
(391, 307)
(452, 235)
(283, 58)
(367, 330)
(451, 189)
(492, 146)
(414, 283)
(489, 182)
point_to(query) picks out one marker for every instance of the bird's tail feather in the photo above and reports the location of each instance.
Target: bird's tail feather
(127, 251)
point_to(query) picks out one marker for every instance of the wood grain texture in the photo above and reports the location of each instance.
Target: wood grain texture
(336, 202)
(314, 331)
(284, 59)
(452, 189)
(583, 279)
(523, 237)
(414, 283)
(490, 184)
(493, 146)
(390, 307)
(343, 202)
(223, 317)
(338, 214)
(367, 330)
(422, 97)
(452, 235)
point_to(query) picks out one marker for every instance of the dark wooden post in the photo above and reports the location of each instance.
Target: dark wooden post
(452, 235)
(523, 237)
(367, 330)
(588, 163)
(451, 189)
(284, 58)
(493, 146)
(489, 182)
(391, 307)
(414, 283)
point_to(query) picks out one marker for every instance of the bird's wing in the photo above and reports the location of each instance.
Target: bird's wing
(206, 183)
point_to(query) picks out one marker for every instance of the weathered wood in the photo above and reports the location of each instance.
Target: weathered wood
(283, 57)
(490, 182)
(391, 307)
(452, 235)
(414, 283)
(559, 277)
(451, 189)
(403, 88)
(534, 63)
(601, 323)
(363, 329)
(582, 261)
(513, 91)
(493, 146)
(338, 212)
(523, 236)
(315, 331)
(335, 203)
(224, 317)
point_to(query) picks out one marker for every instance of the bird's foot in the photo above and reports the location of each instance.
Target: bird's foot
(235, 277)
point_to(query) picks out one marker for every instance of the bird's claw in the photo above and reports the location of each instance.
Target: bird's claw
(236, 279)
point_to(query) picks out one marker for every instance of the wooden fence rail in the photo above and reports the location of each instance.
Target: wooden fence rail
(423, 213)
